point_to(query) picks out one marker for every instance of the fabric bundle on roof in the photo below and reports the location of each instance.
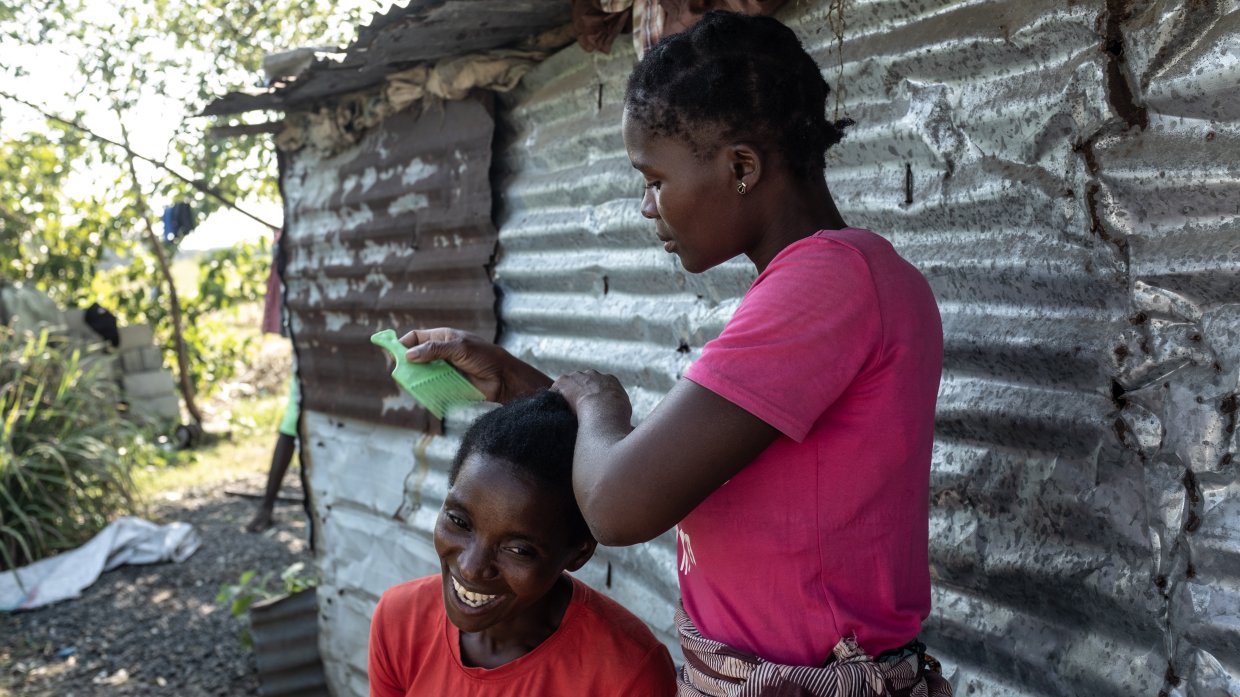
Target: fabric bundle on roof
(598, 22)
(333, 128)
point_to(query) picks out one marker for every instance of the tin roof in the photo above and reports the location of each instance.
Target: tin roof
(399, 38)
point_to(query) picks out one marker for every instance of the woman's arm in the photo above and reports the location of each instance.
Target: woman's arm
(498, 375)
(634, 484)
(631, 485)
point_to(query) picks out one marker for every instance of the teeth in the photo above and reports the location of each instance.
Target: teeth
(469, 597)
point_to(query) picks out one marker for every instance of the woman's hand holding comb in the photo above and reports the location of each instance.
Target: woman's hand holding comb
(499, 375)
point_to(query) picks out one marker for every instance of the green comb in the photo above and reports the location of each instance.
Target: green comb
(435, 385)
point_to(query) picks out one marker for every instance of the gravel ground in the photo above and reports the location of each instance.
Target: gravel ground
(157, 630)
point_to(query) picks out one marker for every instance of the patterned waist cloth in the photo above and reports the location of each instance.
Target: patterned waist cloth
(713, 669)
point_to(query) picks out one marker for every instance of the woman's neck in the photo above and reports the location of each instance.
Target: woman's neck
(512, 639)
(793, 212)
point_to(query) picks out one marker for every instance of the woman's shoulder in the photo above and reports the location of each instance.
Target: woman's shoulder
(600, 612)
(627, 656)
(849, 251)
(865, 242)
(417, 596)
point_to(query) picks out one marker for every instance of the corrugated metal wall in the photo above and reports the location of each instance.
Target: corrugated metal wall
(1064, 212)
(1065, 174)
(395, 232)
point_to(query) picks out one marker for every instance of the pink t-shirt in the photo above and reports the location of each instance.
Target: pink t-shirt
(839, 346)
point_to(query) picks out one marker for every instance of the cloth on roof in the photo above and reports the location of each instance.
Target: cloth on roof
(500, 71)
(597, 22)
(679, 15)
(332, 129)
(648, 19)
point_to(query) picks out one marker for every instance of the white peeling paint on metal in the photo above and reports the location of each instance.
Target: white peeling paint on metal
(344, 627)
(394, 232)
(375, 500)
(973, 154)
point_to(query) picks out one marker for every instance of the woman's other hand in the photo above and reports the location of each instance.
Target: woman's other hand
(602, 394)
(498, 375)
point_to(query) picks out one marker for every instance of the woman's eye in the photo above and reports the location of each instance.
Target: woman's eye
(456, 520)
(654, 185)
(521, 551)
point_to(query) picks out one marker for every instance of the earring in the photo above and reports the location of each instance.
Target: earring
(741, 188)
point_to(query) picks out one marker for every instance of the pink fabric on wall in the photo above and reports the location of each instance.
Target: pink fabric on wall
(274, 297)
(838, 344)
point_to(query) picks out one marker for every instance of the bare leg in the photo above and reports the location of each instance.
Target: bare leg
(280, 459)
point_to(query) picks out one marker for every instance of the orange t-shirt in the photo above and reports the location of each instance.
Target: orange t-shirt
(599, 649)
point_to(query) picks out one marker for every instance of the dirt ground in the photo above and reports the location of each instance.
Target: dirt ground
(158, 630)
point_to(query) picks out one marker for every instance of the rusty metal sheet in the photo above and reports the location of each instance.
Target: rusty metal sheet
(286, 651)
(395, 232)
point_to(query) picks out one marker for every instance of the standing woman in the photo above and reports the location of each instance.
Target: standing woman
(794, 456)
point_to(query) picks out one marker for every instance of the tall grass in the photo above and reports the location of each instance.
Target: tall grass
(64, 448)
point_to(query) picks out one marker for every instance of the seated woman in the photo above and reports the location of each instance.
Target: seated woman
(502, 617)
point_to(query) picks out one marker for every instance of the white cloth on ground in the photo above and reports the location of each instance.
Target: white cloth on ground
(126, 540)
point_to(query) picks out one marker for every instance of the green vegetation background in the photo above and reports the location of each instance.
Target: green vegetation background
(78, 212)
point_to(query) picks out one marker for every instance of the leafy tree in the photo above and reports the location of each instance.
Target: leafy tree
(47, 237)
(75, 192)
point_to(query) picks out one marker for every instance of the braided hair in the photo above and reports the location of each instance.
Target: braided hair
(536, 436)
(749, 78)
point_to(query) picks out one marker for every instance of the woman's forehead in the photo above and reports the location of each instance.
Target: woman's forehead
(483, 477)
(645, 144)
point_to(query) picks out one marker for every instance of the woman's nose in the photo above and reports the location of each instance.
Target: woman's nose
(475, 563)
(649, 208)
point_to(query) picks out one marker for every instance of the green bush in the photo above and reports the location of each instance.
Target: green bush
(65, 452)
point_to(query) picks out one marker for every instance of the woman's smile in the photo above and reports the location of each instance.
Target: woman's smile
(470, 598)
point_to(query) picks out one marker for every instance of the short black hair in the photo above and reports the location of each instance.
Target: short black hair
(748, 76)
(536, 435)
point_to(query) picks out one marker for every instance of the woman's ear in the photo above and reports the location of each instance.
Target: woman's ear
(581, 554)
(746, 163)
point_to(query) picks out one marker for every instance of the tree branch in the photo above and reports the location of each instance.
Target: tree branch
(187, 384)
(197, 184)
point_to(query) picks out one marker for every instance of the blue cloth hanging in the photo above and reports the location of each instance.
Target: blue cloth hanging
(178, 221)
